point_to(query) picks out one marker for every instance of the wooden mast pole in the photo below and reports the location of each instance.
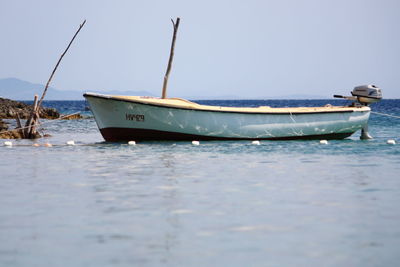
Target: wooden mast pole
(171, 56)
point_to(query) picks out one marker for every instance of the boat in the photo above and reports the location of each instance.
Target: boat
(140, 118)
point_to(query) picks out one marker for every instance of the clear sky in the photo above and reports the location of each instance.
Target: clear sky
(244, 48)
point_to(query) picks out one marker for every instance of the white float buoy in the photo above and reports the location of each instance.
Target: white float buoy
(70, 143)
(8, 143)
(195, 143)
(48, 145)
(256, 142)
(323, 142)
(131, 143)
(36, 145)
(391, 142)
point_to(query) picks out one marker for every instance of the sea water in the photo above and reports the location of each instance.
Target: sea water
(280, 203)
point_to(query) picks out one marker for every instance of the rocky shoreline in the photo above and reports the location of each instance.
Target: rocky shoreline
(6, 134)
(9, 110)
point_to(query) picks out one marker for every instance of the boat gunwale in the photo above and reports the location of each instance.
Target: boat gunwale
(137, 101)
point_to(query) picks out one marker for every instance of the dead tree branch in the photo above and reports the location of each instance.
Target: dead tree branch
(30, 132)
(58, 63)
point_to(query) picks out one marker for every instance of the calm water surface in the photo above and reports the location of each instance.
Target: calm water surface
(282, 203)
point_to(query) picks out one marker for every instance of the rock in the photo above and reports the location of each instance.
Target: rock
(74, 117)
(6, 134)
(3, 126)
(10, 108)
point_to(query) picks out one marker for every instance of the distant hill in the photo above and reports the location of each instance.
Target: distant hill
(13, 88)
(16, 89)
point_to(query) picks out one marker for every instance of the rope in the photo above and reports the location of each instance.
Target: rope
(383, 114)
(46, 122)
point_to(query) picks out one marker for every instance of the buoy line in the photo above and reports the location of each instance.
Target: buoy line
(383, 114)
(39, 124)
(67, 144)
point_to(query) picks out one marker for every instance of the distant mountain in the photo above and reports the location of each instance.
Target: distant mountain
(17, 89)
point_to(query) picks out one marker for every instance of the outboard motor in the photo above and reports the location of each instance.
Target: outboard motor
(364, 95)
(367, 94)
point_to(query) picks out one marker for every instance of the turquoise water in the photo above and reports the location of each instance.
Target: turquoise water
(282, 203)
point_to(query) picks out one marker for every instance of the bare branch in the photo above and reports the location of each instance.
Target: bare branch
(30, 131)
(58, 63)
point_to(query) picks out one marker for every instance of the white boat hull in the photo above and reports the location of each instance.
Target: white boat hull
(125, 119)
